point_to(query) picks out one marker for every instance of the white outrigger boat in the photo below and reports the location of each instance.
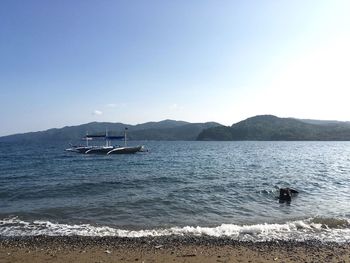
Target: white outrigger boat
(108, 148)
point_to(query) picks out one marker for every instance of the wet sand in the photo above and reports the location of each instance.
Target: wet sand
(166, 249)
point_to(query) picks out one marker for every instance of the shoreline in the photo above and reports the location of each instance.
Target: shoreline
(166, 249)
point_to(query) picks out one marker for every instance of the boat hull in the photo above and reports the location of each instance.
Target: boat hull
(79, 149)
(105, 150)
(125, 150)
(99, 150)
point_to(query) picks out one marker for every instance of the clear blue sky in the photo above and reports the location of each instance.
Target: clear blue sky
(71, 62)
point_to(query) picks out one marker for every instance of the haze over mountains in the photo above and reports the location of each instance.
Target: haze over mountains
(258, 128)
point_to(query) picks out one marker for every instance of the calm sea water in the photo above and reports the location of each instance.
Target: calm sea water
(178, 188)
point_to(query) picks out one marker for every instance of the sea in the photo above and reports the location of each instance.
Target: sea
(178, 188)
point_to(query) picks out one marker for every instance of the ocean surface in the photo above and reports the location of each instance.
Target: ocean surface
(218, 189)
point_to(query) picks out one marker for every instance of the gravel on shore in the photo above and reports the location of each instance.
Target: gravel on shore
(166, 249)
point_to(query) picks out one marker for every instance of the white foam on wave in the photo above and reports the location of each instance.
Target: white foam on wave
(300, 230)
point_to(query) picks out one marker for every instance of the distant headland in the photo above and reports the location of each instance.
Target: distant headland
(272, 128)
(257, 128)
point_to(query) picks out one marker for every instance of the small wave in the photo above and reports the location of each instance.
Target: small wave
(331, 222)
(300, 230)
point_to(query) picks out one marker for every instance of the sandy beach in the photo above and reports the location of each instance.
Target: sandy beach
(166, 249)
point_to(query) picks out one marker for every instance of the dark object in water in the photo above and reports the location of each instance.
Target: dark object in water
(286, 194)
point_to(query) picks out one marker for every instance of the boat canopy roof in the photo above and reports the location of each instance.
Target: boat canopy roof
(114, 137)
(95, 136)
(105, 137)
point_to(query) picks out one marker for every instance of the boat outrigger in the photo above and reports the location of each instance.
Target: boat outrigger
(108, 148)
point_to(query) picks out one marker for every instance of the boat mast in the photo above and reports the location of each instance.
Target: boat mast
(87, 139)
(125, 136)
(107, 141)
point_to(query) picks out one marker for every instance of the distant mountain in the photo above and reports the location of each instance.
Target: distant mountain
(163, 130)
(323, 122)
(186, 132)
(258, 128)
(159, 125)
(272, 128)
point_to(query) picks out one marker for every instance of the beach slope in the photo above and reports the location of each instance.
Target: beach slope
(166, 249)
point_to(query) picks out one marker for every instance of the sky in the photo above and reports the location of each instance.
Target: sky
(72, 62)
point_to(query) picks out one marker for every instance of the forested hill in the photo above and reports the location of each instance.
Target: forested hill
(258, 128)
(163, 130)
(272, 128)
